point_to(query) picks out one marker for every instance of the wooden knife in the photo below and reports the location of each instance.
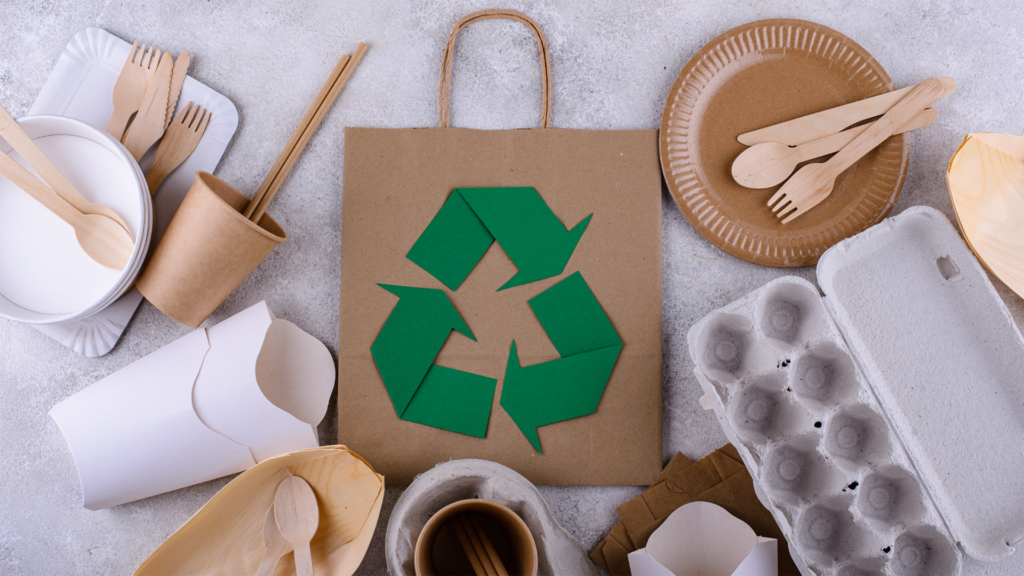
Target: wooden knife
(177, 79)
(807, 128)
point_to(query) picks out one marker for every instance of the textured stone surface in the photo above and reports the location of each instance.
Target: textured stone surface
(612, 66)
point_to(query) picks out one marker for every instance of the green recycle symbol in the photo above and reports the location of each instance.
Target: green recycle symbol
(417, 328)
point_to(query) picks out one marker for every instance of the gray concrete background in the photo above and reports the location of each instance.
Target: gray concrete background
(612, 65)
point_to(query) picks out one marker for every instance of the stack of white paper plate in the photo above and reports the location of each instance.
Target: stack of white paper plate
(45, 276)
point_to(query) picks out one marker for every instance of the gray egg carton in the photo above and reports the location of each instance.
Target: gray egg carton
(884, 422)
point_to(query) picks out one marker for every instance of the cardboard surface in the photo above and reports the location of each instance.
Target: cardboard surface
(719, 478)
(396, 181)
(751, 77)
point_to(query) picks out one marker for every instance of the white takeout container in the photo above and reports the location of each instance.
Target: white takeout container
(214, 402)
(45, 276)
(881, 422)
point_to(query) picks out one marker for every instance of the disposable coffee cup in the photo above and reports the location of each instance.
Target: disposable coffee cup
(208, 249)
(439, 552)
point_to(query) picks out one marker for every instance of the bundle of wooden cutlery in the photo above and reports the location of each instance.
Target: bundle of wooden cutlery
(776, 151)
(148, 88)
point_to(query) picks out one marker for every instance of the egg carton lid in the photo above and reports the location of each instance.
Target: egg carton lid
(946, 363)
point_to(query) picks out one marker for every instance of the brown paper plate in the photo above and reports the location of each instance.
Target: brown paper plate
(754, 76)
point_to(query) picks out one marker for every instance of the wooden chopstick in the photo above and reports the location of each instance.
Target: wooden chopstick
(488, 546)
(477, 546)
(467, 547)
(272, 175)
(307, 133)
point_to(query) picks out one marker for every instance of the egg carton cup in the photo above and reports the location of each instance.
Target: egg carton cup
(881, 422)
(557, 551)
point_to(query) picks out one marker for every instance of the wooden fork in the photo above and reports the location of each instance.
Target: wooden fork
(152, 59)
(130, 87)
(181, 138)
(813, 183)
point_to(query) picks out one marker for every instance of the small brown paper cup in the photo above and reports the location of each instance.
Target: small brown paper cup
(206, 252)
(438, 551)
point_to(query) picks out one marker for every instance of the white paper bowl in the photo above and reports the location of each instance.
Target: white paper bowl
(45, 277)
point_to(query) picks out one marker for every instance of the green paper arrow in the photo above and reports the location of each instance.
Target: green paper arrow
(571, 386)
(518, 218)
(404, 352)
(453, 400)
(452, 244)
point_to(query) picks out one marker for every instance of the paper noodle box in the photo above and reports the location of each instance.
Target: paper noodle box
(212, 403)
(703, 538)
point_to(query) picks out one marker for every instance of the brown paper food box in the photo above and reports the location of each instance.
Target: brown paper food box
(719, 478)
(395, 181)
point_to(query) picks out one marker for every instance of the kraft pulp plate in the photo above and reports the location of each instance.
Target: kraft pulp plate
(751, 77)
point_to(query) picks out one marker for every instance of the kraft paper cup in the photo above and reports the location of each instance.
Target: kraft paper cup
(438, 551)
(206, 252)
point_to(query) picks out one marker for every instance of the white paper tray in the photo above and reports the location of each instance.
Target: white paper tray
(81, 86)
(923, 351)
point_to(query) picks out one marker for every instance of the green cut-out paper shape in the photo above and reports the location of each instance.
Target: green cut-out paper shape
(421, 391)
(458, 236)
(518, 218)
(572, 386)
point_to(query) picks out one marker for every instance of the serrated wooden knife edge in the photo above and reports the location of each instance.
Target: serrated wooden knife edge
(181, 64)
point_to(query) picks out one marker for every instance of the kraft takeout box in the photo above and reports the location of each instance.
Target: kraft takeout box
(881, 422)
(719, 478)
(703, 538)
(208, 249)
(212, 403)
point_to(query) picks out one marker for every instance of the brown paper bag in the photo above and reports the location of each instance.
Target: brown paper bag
(396, 180)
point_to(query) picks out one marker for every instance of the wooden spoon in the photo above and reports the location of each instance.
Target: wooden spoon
(100, 237)
(297, 516)
(24, 145)
(769, 163)
(277, 545)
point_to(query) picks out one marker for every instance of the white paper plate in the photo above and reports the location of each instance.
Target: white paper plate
(45, 276)
(81, 86)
